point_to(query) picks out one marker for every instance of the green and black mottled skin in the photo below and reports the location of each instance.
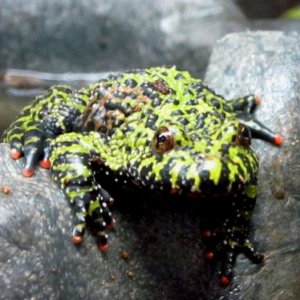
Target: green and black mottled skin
(159, 128)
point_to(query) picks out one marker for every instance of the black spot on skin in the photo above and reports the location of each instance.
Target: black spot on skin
(177, 113)
(179, 76)
(119, 76)
(225, 148)
(174, 101)
(145, 88)
(133, 95)
(98, 93)
(112, 77)
(194, 137)
(146, 170)
(139, 134)
(130, 82)
(107, 85)
(156, 102)
(172, 91)
(183, 121)
(214, 121)
(64, 89)
(192, 102)
(122, 95)
(226, 108)
(198, 87)
(216, 103)
(128, 148)
(192, 111)
(201, 120)
(188, 92)
(151, 120)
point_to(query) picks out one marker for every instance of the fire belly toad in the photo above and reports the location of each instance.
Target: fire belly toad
(159, 128)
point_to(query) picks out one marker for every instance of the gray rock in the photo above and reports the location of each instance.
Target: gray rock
(70, 36)
(93, 36)
(267, 64)
(162, 238)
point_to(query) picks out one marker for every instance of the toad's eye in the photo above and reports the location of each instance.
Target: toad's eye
(163, 140)
(244, 136)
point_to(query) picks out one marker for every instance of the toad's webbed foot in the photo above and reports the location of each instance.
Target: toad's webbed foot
(72, 158)
(225, 246)
(50, 115)
(233, 237)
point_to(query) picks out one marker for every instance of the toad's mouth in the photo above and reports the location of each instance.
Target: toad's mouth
(206, 174)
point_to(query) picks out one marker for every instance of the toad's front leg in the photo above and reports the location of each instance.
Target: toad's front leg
(51, 114)
(72, 158)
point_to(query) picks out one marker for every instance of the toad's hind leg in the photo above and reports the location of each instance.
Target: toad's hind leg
(72, 158)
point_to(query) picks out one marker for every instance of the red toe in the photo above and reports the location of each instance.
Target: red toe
(209, 255)
(45, 163)
(76, 239)
(278, 139)
(104, 247)
(28, 172)
(15, 154)
(257, 100)
(224, 280)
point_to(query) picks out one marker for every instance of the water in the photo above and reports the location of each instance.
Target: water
(10, 106)
(20, 87)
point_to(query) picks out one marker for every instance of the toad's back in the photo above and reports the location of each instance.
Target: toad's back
(155, 94)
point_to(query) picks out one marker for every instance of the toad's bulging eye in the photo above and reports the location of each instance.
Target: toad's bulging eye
(163, 140)
(244, 136)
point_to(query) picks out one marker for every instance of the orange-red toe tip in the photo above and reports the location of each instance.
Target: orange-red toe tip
(278, 139)
(257, 100)
(45, 164)
(77, 239)
(28, 172)
(112, 225)
(224, 280)
(209, 255)
(104, 247)
(206, 233)
(15, 154)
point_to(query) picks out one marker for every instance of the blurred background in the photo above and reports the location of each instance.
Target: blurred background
(76, 42)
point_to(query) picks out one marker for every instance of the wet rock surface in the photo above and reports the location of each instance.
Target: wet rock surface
(161, 238)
